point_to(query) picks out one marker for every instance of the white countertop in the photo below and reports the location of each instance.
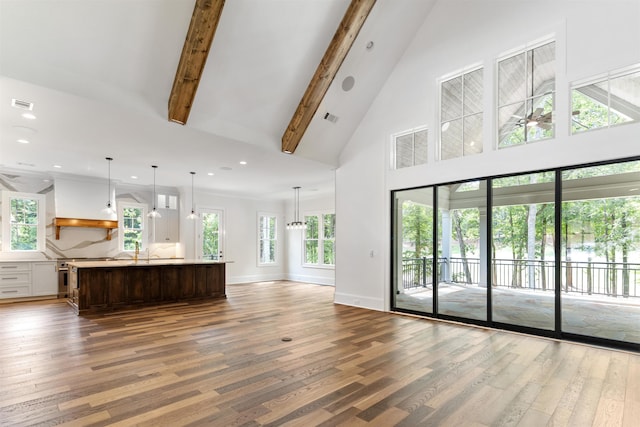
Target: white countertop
(140, 263)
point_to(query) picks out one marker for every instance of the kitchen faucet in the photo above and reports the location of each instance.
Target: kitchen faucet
(137, 252)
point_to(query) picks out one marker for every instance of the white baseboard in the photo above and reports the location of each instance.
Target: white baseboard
(317, 280)
(359, 301)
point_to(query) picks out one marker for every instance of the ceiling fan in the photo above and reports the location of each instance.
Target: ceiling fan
(537, 118)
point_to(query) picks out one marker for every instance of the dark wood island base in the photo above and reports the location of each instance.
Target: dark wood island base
(111, 285)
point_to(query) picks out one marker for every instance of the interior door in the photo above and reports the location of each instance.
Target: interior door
(210, 235)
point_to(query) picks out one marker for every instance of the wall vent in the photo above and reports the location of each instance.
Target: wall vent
(330, 117)
(24, 105)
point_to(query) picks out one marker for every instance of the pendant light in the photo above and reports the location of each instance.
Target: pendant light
(193, 214)
(109, 209)
(296, 224)
(154, 213)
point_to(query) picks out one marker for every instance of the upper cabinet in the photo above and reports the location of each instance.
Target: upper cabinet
(167, 227)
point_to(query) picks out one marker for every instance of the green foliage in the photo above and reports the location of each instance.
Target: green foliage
(133, 228)
(210, 236)
(417, 229)
(24, 224)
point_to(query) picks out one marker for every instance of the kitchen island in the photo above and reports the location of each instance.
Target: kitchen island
(96, 286)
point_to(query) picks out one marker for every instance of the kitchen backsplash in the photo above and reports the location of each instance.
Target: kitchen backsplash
(76, 242)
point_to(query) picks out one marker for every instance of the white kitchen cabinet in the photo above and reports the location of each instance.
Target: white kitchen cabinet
(44, 278)
(15, 279)
(167, 227)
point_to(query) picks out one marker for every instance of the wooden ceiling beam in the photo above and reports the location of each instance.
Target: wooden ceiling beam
(204, 21)
(353, 20)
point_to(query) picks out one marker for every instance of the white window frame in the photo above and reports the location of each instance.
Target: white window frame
(510, 54)
(7, 196)
(276, 260)
(121, 229)
(460, 73)
(320, 264)
(601, 78)
(394, 147)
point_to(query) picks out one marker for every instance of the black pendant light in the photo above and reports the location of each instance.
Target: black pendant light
(154, 213)
(193, 214)
(296, 224)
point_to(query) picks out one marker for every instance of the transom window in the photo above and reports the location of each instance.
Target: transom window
(319, 240)
(461, 115)
(24, 230)
(526, 92)
(607, 101)
(410, 148)
(267, 236)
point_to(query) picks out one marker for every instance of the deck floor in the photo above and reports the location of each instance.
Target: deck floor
(597, 316)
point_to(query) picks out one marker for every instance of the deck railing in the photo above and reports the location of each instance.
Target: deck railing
(614, 279)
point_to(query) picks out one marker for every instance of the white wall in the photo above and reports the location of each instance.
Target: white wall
(294, 238)
(240, 234)
(592, 37)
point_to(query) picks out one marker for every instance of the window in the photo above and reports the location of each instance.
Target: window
(167, 201)
(526, 92)
(132, 226)
(319, 240)
(24, 230)
(410, 148)
(607, 101)
(461, 115)
(267, 228)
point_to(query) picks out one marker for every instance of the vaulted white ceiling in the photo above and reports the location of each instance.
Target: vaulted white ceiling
(99, 75)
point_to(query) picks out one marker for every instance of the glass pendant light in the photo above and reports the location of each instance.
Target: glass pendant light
(154, 213)
(193, 214)
(296, 224)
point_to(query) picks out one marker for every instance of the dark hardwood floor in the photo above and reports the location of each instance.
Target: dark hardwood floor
(225, 363)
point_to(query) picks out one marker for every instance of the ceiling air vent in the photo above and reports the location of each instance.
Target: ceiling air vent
(331, 117)
(24, 105)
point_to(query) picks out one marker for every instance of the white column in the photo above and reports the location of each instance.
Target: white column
(483, 247)
(446, 244)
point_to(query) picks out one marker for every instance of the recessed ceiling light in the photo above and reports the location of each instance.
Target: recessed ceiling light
(23, 141)
(134, 177)
(29, 116)
(210, 173)
(225, 168)
(57, 166)
(242, 162)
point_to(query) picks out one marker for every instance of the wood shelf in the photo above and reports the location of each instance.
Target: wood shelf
(91, 223)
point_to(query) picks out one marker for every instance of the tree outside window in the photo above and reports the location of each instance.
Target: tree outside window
(605, 102)
(24, 224)
(526, 95)
(25, 228)
(133, 227)
(319, 242)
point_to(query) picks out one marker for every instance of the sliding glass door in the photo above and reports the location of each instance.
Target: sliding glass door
(462, 233)
(555, 253)
(601, 251)
(413, 250)
(523, 264)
